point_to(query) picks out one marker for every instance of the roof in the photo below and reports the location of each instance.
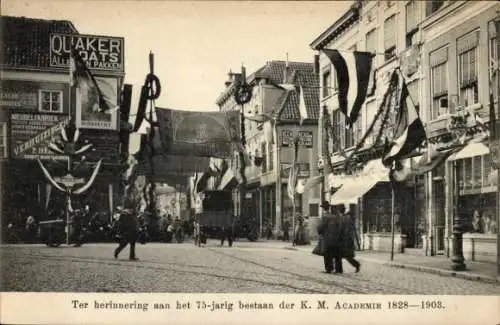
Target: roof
(302, 76)
(26, 41)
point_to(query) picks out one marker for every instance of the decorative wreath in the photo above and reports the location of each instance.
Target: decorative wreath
(243, 93)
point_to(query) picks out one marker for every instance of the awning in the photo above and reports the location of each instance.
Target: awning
(354, 187)
(471, 150)
(352, 190)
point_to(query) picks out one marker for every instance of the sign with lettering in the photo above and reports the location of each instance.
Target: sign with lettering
(32, 132)
(16, 98)
(101, 53)
(306, 139)
(106, 145)
(286, 138)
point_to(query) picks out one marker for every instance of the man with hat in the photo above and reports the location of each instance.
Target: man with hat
(128, 228)
(330, 229)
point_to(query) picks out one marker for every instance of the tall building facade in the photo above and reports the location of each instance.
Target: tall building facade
(444, 50)
(37, 101)
(276, 94)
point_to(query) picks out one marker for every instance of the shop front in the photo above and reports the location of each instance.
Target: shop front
(475, 195)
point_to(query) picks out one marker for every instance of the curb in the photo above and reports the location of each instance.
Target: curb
(433, 270)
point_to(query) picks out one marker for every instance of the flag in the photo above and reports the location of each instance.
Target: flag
(302, 106)
(81, 77)
(293, 173)
(259, 118)
(353, 75)
(409, 131)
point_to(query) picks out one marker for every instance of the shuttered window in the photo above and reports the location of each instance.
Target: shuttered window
(467, 68)
(390, 37)
(439, 82)
(371, 41)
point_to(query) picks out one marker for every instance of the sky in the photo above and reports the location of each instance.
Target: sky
(195, 43)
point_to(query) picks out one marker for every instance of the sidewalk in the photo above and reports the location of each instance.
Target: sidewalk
(486, 272)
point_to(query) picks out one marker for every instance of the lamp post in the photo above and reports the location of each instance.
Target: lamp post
(457, 258)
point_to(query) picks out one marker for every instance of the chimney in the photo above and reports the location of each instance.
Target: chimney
(316, 64)
(285, 72)
(230, 79)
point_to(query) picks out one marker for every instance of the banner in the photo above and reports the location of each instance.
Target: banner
(174, 165)
(88, 112)
(32, 132)
(101, 53)
(203, 134)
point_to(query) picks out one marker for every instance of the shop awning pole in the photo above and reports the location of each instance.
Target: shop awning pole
(392, 220)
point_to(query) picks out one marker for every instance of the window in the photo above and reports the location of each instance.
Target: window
(412, 20)
(338, 130)
(371, 41)
(3, 140)
(467, 69)
(350, 141)
(327, 83)
(439, 82)
(358, 129)
(271, 158)
(263, 150)
(50, 101)
(390, 37)
(433, 6)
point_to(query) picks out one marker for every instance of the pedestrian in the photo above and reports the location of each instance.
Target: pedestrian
(226, 232)
(196, 233)
(286, 230)
(347, 246)
(330, 230)
(77, 225)
(128, 229)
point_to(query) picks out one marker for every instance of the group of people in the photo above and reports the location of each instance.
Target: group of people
(337, 238)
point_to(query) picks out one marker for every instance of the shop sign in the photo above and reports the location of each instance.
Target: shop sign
(304, 169)
(101, 53)
(106, 145)
(17, 98)
(31, 134)
(305, 138)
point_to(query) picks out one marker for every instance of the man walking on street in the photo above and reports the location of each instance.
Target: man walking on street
(128, 229)
(329, 228)
(348, 233)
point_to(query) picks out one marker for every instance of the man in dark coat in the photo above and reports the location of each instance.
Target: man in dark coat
(330, 229)
(128, 229)
(348, 234)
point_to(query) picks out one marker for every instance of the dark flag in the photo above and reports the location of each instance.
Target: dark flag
(409, 131)
(353, 75)
(81, 77)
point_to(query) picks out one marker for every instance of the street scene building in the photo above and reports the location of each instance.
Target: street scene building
(37, 100)
(381, 149)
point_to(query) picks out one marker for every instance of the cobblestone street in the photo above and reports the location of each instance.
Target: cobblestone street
(245, 268)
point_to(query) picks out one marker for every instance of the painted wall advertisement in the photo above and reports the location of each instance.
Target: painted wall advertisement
(32, 132)
(101, 53)
(88, 114)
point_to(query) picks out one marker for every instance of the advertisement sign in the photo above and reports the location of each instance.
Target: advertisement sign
(303, 170)
(32, 132)
(305, 138)
(88, 114)
(19, 98)
(101, 53)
